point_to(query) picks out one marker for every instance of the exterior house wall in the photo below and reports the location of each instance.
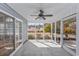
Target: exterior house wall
(4, 8)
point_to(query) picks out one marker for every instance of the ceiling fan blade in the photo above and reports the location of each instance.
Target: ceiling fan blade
(33, 15)
(40, 17)
(44, 18)
(47, 15)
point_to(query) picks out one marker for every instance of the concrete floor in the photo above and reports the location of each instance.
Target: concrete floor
(43, 48)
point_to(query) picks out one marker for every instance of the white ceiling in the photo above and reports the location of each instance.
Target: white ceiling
(57, 9)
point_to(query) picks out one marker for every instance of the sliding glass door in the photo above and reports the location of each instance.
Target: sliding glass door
(6, 35)
(10, 34)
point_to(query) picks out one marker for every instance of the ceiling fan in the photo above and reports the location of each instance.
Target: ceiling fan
(41, 15)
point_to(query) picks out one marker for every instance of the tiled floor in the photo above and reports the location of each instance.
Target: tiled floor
(43, 48)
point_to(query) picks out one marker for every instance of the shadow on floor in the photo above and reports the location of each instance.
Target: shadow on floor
(30, 49)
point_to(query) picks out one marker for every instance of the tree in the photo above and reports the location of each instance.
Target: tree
(47, 28)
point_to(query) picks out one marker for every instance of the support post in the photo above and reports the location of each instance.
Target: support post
(55, 32)
(43, 32)
(35, 33)
(77, 35)
(51, 32)
(61, 34)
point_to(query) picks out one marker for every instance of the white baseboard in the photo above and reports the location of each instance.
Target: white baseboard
(69, 51)
(16, 50)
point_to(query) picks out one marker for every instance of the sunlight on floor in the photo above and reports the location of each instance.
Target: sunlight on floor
(44, 43)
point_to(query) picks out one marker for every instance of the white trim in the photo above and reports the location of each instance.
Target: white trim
(61, 33)
(51, 32)
(6, 13)
(55, 32)
(69, 51)
(16, 49)
(43, 32)
(77, 35)
(27, 31)
(63, 19)
(35, 33)
(18, 19)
